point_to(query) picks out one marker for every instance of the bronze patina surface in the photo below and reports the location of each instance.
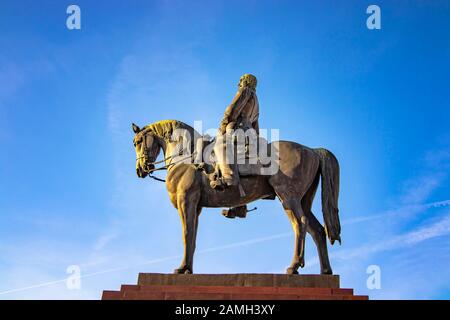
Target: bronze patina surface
(300, 169)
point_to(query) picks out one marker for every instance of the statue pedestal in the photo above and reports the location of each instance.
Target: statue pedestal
(158, 286)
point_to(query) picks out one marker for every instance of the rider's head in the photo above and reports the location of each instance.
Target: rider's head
(248, 80)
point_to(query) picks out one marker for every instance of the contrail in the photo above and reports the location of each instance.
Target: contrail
(153, 261)
(437, 204)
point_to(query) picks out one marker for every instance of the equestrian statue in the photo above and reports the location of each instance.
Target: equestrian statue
(203, 173)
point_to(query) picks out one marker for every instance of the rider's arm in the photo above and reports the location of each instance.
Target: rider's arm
(234, 109)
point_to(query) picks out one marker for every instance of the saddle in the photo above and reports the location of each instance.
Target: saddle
(249, 165)
(247, 160)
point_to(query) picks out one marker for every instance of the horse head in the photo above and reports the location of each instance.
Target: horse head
(147, 150)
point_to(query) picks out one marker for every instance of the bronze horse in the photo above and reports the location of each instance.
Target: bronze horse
(295, 185)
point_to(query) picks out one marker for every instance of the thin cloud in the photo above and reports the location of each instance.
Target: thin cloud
(437, 229)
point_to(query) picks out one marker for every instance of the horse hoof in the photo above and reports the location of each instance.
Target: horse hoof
(291, 271)
(326, 271)
(183, 270)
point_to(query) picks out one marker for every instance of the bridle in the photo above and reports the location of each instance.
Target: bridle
(151, 160)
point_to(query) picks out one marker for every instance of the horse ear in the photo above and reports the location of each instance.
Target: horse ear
(135, 128)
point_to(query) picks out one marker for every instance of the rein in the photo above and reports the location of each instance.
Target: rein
(166, 167)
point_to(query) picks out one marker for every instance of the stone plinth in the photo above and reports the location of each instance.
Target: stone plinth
(158, 286)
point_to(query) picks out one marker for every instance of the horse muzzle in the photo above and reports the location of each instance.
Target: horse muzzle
(141, 173)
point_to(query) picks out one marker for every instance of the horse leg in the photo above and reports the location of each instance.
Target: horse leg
(299, 223)
(315, 229)
(187, 204)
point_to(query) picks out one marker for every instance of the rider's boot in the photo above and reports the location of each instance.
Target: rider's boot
(227, 179)
(216, 182)
(222, 177)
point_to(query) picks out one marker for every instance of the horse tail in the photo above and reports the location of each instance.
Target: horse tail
(329, 171)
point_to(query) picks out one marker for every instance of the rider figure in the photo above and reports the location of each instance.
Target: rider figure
(242, 113)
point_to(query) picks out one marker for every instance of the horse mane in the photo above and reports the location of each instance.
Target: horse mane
(165, 128)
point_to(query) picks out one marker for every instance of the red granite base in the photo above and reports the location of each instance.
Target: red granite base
(233, 287)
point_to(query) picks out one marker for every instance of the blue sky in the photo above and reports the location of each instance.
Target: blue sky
(69, 195)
